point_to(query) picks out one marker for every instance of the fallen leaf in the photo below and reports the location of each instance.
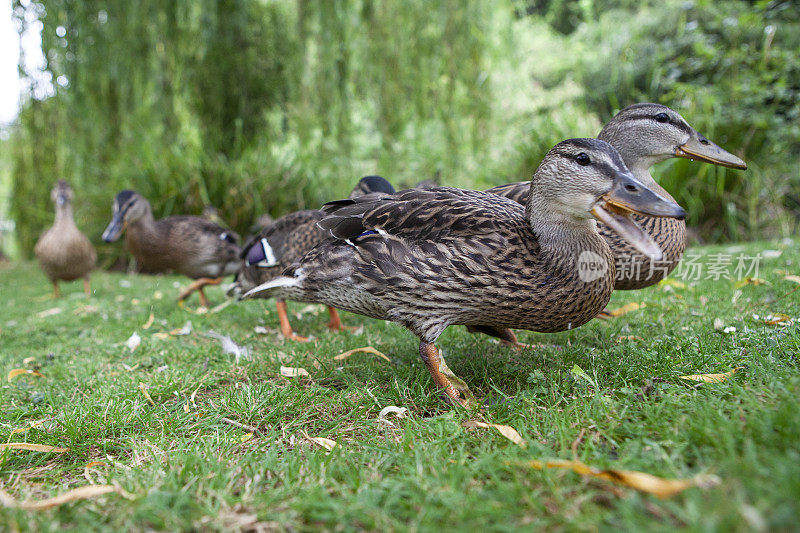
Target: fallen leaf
(133, 341)
(185, 330)
(28, 360)
(328, 444)
(149, 321)
(793, 278)
(143, 388)
(657, 486)
(219, 307)
(365, 349)
(712, 378)
(750, 281)
(629, 338)
(506, 431)
(293, 372)
(245, 438)
(399, 411)
(81, 493)
(625, 309)
(778, 319)
(32, 447)
(23, 371)
(161, 335)
(186, 407)
(92, 464)
(49, 312)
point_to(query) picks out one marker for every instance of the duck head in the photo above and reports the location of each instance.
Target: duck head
(371, 184)
(129, 206)
(646, 134)
(61, 193)
(584, 178)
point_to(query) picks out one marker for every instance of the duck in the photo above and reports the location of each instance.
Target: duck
(645, 134)
(63, 252)
(190, 245)
(431, 258)
(285, 240)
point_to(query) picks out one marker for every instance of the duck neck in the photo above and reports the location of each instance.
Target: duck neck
(64, 214)
(561, 233)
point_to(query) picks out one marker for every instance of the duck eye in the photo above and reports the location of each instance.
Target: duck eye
(582, 159)
(662, 117)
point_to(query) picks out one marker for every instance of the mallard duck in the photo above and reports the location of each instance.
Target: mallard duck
(286, 240)
(646, 134)
(430, 258)
(64, 253)
(190, 245)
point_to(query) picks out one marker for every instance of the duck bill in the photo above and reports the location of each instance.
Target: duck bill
(114, 229)
(627, 197)
(701, 149)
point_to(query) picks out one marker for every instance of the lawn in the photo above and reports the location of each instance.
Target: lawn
(191, 438)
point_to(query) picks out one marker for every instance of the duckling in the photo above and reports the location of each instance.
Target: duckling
(646, 134)
(191, 245)
(285, 241)
(64, 253)
(431, 258)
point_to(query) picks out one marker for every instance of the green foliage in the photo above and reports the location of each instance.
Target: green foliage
(267, 106)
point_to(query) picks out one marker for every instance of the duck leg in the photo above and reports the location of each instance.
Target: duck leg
(87, 290)
(286, 328)
(198, 286)
(335, 323)
(430, 356)
(56, 290)
(506, 336)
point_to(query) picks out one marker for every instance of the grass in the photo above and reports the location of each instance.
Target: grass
(181, 466)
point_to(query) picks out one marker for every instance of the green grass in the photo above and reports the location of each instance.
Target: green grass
(191, 470)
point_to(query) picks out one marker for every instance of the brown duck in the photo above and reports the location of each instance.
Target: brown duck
(191, 245)
(64, 253)
(431, 258)
(646, 134)
(286, 240)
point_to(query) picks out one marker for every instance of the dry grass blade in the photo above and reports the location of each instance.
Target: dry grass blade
(32, 447)
(31, 426)
(365, 349)
(795, 279)
(293, 372)
(149, 321)
(712, 378)
(506, 431)
(143, 388)
(82, 493)
(23, 372)
(641, 481)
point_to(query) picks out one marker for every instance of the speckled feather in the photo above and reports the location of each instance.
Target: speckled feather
(470, 255)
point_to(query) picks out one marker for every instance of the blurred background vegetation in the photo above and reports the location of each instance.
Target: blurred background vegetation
(260, 106)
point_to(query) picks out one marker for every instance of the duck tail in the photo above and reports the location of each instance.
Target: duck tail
(277, 283)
